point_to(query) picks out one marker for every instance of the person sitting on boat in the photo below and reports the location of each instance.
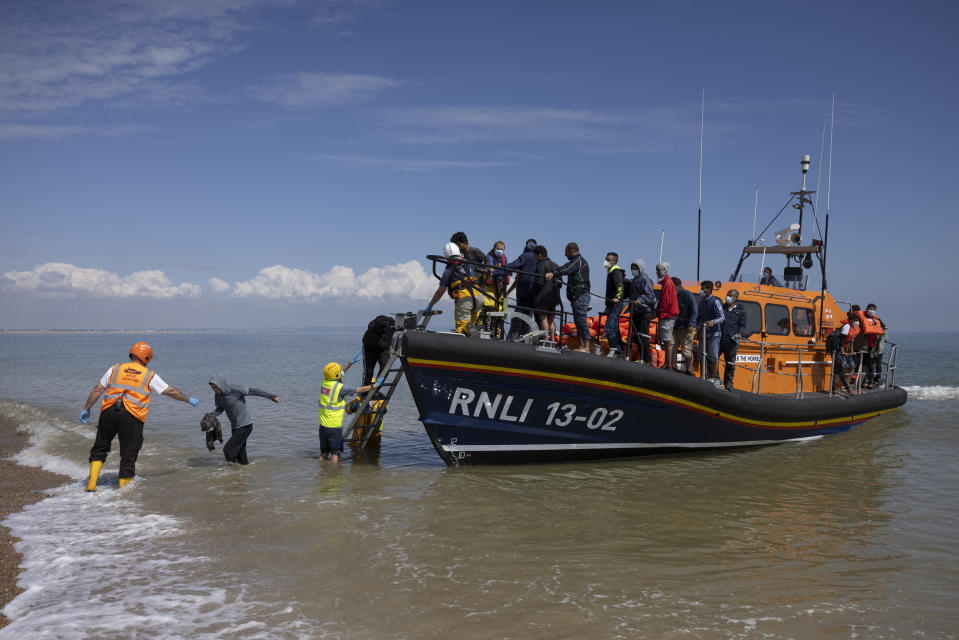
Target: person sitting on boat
(459, 280)
(642, 298)
(577, 290)
(666, 312)
(545, 291)
(685, 329)
(710, 315)
(769, 278)
(734, 326)
(615, 303)
(525, 264)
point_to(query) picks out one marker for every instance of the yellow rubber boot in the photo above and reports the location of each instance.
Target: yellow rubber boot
(124, 481)
(94, 474)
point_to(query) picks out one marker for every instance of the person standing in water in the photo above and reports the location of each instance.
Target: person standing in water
(231, 398)
(333, 397)
(124, 410)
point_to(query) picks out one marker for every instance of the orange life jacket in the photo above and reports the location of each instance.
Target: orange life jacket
(870, 326)
(130, 382)
(853, 332)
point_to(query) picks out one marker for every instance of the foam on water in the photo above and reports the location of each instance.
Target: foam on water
(99, 565)
(934, 392)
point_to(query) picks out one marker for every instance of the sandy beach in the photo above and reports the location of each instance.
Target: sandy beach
(19, 486)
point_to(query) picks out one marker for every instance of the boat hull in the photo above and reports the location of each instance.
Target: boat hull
(491, 402)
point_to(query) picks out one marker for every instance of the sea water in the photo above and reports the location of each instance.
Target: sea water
(852, 535)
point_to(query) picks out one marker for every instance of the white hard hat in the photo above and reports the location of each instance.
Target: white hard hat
(451, 249)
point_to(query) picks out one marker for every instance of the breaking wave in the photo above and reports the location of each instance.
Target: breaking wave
(934, 392)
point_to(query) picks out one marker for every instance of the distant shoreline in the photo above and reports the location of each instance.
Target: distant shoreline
(179, 331)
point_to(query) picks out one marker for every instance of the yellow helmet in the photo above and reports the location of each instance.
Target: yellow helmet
(333, 371)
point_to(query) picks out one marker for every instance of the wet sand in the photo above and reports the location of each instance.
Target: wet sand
(19, 486)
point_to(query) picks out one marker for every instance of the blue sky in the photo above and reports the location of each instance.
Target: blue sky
(244, 163)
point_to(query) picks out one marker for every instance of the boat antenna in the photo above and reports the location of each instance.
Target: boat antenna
(699, 216)
(825, 240)
(662, 238)
(822, 146)
(755, 210)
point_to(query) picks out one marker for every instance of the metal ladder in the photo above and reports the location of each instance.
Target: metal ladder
(391, 374)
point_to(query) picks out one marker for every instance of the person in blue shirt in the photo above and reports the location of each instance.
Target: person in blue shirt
(685, 329)
(526, 265)
(642, 298)
(734, 327)
(710, 320)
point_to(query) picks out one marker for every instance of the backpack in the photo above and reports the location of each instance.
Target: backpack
(834, 341)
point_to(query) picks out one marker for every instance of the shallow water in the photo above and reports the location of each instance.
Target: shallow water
(852, 535)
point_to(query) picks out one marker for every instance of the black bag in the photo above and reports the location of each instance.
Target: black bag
(211, 425)
(834, 341)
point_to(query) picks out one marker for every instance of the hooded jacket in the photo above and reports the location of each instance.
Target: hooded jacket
(526, 265)
(641, 289)
(233, 401)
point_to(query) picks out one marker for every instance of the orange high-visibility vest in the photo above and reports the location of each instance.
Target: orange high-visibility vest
(130, 382)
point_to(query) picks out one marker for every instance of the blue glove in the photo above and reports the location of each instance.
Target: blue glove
(194, 401)
(427, 310)
(84, 416)
(357, 356)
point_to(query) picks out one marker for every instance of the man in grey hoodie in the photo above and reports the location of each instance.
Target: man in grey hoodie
(232, 399)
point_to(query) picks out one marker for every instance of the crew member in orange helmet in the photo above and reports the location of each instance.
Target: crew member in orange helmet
(124, 410)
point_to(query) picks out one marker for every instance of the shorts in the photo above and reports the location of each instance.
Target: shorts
(664, 331)
(331, 439)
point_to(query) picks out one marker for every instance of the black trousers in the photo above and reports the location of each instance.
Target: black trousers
(117, 421)
(729, 348)
(235, 448)
(640, 318)
(372, 356)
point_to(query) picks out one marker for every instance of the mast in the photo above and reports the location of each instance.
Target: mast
(825, 245)
(699, 216)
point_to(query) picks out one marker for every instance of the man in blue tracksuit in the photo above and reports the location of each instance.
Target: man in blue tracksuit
(577, 290)
(526, 265)
(734, 328)
(711, 319)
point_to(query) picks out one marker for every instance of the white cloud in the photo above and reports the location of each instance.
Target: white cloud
(18, 131)
(407, 279)
(405, 164)
(56, 56)
(322, 89)
(61, 279)
(219, 286)
(641, 130)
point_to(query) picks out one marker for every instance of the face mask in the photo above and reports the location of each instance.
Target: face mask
(703, 293)
(497, 252)
(607, 264)
(730, 299)
(635, 271)
(871, 313)
(855, 324)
